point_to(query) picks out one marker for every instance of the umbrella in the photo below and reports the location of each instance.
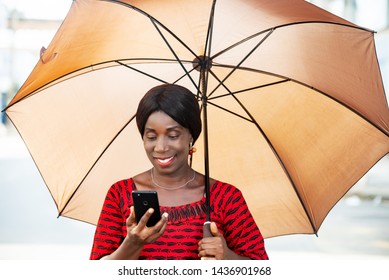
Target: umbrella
(294, 108)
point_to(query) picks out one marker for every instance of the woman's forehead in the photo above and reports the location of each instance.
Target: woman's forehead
(160, 119)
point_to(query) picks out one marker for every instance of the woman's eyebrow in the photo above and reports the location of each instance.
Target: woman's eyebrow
(176, 127)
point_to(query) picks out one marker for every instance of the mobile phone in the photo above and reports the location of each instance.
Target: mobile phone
(143, 201)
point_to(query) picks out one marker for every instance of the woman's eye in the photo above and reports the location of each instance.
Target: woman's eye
(151, 137)
(173, 136)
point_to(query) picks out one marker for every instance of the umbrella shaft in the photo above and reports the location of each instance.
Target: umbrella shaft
(205, 133)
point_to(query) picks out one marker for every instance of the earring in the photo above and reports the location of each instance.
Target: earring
(192, 149)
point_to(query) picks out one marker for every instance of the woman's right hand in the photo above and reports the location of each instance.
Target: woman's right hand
(139, 234)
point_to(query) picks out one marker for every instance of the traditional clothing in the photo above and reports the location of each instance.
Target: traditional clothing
(184, 228)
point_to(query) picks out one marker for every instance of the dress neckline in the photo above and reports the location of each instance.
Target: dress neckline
(181, 213)
(202, 200)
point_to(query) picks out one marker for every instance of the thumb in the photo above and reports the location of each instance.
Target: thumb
(214, 230)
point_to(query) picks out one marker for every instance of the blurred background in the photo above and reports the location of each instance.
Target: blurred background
(356, 228)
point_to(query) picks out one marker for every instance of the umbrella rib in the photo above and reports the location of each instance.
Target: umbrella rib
(231, 112)
(154, 77)
(74, 72)
(173, 52)
(271, 147)
(240, 63)
(142, 72)
(183, 76)
(288, 79)
(156, 22)
(280, 162)
(344, 105)
(33, 159)
(153, 20)
(249, 89)
(281, 26)
(208, 40)
(94, 164)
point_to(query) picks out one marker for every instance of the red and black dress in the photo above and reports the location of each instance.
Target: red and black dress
(184, 229)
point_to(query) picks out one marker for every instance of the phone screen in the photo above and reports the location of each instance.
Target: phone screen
(144, 200)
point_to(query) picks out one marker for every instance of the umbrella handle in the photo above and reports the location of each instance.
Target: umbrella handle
(207, 229)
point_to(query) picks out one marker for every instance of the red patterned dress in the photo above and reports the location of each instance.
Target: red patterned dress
(184, 229)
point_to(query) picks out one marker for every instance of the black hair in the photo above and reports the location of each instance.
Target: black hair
(176, 101)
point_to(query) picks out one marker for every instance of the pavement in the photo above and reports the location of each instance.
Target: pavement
(357, 228)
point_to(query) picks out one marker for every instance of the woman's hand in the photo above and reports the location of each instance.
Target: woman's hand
(215, 247)
(139, 234)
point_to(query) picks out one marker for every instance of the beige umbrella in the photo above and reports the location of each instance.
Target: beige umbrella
(295, 105)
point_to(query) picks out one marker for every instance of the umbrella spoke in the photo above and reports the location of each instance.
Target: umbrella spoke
(183, 76)
(141, 72)
(173, 52)
(208, 41)
(93, 165)
(262, 132)
(157, 60)
(242, 41)
(154, 21)
(247, 89)
(243, 60)
(229, 111)
(157, 23)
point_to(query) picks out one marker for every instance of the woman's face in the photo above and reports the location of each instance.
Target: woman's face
(166, 143)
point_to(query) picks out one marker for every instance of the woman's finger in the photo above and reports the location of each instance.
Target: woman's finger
(158, 229)
(131, 218)
(145, 218)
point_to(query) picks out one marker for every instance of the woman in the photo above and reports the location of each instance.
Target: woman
(168, 119)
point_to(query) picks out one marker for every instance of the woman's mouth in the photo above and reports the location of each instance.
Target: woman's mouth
(164, 161)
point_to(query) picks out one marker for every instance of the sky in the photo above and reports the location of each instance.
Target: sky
(369, 16)
(40, 9)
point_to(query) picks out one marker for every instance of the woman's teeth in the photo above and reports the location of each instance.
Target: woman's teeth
(166, 160)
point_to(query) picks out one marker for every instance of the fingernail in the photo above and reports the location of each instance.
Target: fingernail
(151, 210)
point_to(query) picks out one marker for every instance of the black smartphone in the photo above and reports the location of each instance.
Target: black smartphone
(144, 200)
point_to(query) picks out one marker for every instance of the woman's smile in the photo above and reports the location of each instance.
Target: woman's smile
(166, 143)
(164, 162)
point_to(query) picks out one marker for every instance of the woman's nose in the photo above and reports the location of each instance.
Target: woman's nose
(160, 145)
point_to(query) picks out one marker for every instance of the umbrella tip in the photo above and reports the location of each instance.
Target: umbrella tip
(43, 59)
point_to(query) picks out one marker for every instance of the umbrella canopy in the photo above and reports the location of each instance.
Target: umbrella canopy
(296, 109)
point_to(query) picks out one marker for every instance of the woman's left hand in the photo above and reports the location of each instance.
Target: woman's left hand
(215, 247)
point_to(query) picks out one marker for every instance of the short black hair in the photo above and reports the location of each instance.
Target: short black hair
(176, 101)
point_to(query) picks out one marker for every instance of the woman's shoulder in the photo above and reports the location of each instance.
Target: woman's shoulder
(222, 186)
(123, 183)
(119, 188)
(222, 190)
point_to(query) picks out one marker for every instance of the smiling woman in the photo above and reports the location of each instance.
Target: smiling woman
(168, 119)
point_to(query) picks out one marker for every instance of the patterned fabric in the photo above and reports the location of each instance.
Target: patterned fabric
(184, 229)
